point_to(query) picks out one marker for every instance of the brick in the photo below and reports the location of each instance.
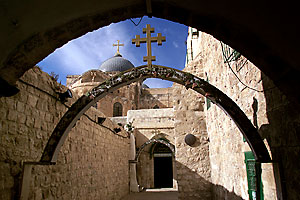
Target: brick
(20, 106)
(21, 118)
(32, 100)
(3, 113)
(42, 105)
(12, 115)
(29, 121)
(11, 103)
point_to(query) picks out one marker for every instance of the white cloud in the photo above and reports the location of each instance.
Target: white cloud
(175, 44)
(157, 83)
(88, 51)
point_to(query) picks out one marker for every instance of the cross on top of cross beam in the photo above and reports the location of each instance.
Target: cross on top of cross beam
(148, 39)
(118, 46)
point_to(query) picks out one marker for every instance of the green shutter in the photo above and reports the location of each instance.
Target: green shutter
(255, 187)
(229, 54)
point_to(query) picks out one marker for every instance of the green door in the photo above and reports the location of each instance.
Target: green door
(255, 187)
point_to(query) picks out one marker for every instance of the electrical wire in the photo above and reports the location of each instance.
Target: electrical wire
(88, 117)
(138, 22)
(246, 86)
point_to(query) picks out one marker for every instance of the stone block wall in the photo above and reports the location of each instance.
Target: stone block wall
(269, 111)
(92, 164)
(127, 96)
(192, 162)
(151, 97)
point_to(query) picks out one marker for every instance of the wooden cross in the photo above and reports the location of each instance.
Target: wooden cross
(138, 40)
(118, 46)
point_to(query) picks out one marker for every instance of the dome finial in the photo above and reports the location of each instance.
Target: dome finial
(118, 46)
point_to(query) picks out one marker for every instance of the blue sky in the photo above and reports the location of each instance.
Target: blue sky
(90, 50)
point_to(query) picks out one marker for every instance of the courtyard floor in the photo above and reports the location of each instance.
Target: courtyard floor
(154, 194)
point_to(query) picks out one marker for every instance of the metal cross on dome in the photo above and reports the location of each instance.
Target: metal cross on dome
(148, 39)
(118, 46)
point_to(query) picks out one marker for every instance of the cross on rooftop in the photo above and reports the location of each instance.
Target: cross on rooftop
(159, 39)
(118, 46)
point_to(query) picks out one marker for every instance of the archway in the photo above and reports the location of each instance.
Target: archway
(69, 119)
(25, 42)
(154, 140)
(162, 162)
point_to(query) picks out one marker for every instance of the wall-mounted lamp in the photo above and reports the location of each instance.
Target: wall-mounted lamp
(64, 96)
(190, 139)
(101, 120)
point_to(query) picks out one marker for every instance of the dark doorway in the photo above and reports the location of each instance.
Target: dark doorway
(163, 172)
(163, 167)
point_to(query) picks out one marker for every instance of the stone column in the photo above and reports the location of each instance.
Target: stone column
(132, 166)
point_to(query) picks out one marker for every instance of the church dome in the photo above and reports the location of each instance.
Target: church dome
(144, 86)
(116, 63)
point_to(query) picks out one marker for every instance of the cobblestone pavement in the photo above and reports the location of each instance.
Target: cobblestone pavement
(154, 194)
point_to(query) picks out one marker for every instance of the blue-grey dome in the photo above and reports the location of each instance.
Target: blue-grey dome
(116, 63)
(145, 86)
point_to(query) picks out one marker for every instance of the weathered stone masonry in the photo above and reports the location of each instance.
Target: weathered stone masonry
(271, 113)
(93, 163)
(192, 162)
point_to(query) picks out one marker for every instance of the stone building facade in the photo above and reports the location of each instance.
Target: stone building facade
(159, 113)
(94, 160)
(268, 109)
(93, 163)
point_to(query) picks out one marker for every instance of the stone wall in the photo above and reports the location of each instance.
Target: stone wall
(127, 96)
(92, 164)
(269, 111)
(192, 162)
(156, 97)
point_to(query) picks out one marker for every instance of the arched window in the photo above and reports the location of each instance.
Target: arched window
(117, 110)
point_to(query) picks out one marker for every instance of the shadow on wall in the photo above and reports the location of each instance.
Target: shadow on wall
(151, 101)
(283, 136)
(192, 186)
(145, 170)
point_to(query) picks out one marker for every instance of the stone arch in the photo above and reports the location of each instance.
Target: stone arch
(151, 141)
(246, 32)
(190, 81)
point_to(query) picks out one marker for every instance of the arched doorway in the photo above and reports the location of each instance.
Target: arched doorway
(163, 166)
(160, 159)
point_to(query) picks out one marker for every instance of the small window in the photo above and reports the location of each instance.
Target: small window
(156, 107)
(117, 109)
